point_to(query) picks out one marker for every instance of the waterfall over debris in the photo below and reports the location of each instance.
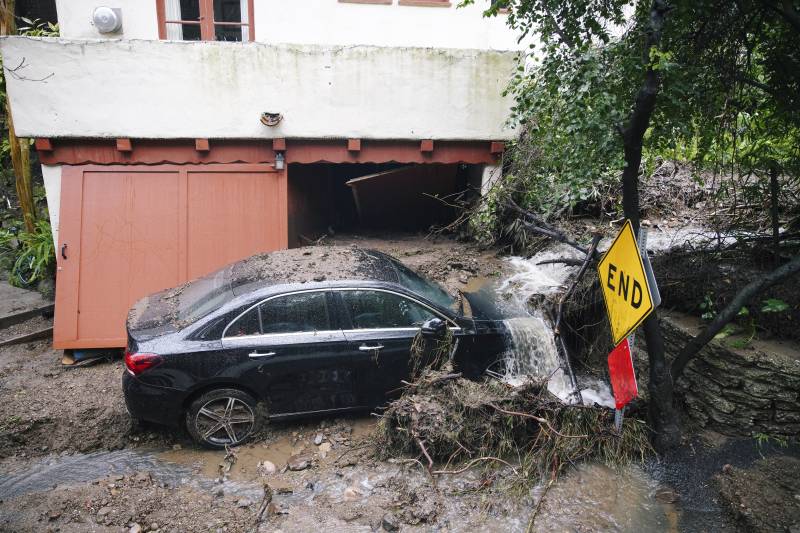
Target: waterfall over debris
(532, 349)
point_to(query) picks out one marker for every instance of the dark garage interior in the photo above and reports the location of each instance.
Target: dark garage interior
(362, 197)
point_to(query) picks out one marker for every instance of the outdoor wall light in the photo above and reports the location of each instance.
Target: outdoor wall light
(280, 161)
(107, 19)
(271, 119)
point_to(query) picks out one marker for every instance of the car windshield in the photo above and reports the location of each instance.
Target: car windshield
(204, 295)
(416, 283)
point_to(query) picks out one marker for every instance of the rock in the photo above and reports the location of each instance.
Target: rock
(243, 503)
(665, 495)
(135, 528)
(176, 446)
(53, 515)
(154, 526)
(390, 522)
(104, 511)
(318, 439)
(219, 493)
(142, 477)
(351, 493)
(298, 462)
(324, 449)
(266, 468)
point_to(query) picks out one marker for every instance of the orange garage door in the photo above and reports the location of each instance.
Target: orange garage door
(130, 231)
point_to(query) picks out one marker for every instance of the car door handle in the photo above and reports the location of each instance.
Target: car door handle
(260, 355)
(365, 348)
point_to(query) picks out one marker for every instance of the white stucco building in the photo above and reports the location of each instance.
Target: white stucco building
(198, 132)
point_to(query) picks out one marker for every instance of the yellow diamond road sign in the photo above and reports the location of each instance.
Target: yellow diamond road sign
(624, 283)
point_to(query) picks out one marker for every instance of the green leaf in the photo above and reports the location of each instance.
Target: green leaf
(773, 305)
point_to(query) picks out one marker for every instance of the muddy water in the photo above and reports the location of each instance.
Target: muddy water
(532, 349)
(590, 498)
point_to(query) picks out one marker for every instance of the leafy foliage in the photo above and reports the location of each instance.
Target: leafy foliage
(773, 305)
(38, 28)
(28, 257)
(729, 101)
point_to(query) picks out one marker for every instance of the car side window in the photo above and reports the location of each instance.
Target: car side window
(292, 313)
(379, 310)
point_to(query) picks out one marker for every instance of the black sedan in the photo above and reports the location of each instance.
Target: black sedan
(308, 331)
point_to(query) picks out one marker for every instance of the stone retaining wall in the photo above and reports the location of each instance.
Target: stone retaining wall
(740, 391)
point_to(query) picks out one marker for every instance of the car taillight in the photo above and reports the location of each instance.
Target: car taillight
(139, 362)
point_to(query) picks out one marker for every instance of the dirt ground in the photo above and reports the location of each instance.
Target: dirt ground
(71, 460)
(776, 501)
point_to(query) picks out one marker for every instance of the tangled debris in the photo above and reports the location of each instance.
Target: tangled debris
(445, 417)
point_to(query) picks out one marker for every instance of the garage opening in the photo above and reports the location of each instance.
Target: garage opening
(362, 197)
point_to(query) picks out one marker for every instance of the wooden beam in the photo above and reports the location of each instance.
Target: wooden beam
(43, 145)
(353, 145)
(39, 334)
(497, 148)
(426, 145)
(279, 144)
(124, 145)
(202, 145)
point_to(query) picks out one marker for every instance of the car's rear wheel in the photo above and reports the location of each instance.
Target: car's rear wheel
(222, 417)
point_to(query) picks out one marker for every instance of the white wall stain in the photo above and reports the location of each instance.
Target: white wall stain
(158, 89)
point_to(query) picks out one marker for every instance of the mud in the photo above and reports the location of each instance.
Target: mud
(71, 460)
(764, 496)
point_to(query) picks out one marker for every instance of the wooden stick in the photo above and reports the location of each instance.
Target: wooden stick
(538, 506)
(476, 460)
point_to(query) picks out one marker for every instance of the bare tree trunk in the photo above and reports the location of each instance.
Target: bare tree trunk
(774, 190)
(20, 148)
(662, 414)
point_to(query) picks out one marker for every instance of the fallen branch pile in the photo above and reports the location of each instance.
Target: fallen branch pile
(444, 417)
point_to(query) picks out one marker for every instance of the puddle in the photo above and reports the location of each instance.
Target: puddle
(207, 463)
(596, 498)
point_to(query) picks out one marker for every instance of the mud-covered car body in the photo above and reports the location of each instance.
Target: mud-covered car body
(299, 348)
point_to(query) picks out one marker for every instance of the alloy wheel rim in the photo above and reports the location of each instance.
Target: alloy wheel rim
(224, 421)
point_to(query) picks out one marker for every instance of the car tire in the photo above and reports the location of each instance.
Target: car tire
(223, 417)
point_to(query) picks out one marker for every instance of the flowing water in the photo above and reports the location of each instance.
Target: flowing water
(532, 349)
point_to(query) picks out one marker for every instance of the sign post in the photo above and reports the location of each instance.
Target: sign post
(630, 294)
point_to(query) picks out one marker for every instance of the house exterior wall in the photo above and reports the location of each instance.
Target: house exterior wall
(321, 22)
(157, 89)
(139, 19)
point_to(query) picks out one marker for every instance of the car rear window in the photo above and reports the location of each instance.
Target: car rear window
(291, 313)
(203, 295)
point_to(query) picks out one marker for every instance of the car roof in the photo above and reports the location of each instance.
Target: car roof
(310, 265)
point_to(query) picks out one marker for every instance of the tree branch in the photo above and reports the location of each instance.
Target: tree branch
(543, 228)
(747, 292)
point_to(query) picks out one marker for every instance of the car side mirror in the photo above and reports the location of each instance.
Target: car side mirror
(434, 328)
